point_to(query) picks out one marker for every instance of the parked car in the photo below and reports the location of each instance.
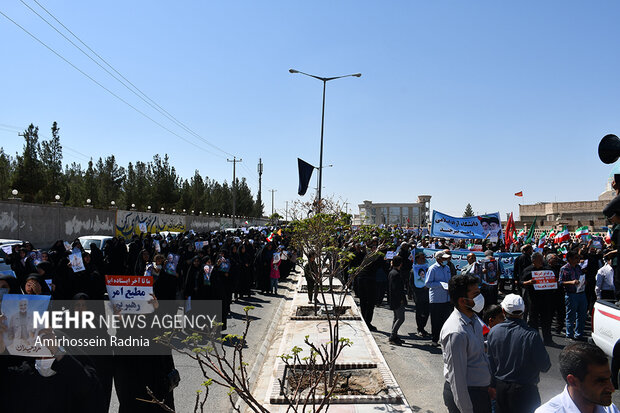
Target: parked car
(606, 332)
(99, 240)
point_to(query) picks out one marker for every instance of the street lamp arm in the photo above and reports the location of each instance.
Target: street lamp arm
(340, 77)
(324, 79)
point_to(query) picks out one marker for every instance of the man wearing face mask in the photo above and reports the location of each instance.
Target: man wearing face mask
(517, 356)
(465, 363)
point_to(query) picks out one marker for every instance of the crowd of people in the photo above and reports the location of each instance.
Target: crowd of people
(492, 331)
(227, 266)
(222, 266)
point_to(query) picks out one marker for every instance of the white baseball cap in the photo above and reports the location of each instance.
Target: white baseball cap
(513, 304)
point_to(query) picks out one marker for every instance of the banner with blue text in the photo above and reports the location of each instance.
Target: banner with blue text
(477, 227)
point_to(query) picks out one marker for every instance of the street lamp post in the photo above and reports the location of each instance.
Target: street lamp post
(324, 80)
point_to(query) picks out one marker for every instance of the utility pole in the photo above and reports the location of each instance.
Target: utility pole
(272, 192)
(234, 188)
(346, 205)
(260, 175)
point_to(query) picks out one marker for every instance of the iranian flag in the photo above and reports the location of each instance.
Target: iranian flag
(608, 236)
(563, 235)
(552, 234)
(521, 233)
(270, 237)
(563, 250)
(542, 240)
(581, 231)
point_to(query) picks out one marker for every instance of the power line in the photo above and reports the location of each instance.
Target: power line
(145, 99)
(106, 89)
(13, 129)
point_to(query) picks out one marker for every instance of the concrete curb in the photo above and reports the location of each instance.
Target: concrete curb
(260, 357)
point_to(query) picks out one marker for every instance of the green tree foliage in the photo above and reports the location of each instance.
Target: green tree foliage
(469, 212)
(27, 178)
(6, 171)
(51, 165)
(38, 176)
(109, 180)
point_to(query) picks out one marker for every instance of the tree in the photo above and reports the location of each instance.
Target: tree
(165, 183)
(6, 174)
(197, 189)
(51, 165)
(130, 187)
(73, 194)
(245, 202)
(28, 178)
(259, 209)
(89, 185)
(469, 212)
(109, 178)
(185, 198)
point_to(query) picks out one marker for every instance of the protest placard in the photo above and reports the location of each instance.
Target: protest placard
(419, 275)
(157, 245)
(459, 259)
(75, 259)
(208, 269)
(8, 249)
(199, 245)
(130, 294)
(171, 263)
(544, 280)
(390, 255)
(582, 283)
(36, 257)
(20, 336)
(142, 227)
(477, 227)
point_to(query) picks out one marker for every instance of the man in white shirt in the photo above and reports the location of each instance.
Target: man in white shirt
(605, 280)
(585, 369)
(466, 366)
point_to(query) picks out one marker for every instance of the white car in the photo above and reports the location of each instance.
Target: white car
(99, 240)
(606, 332)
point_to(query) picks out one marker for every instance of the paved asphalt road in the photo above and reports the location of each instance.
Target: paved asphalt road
(191, 375)
(418, 367)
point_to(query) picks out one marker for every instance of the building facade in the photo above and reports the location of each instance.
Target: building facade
(404, 214)
(554, 215)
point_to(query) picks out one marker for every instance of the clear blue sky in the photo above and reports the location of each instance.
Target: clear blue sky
(465, 101)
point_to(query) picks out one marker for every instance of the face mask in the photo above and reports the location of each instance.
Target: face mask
(44, 367)
(478, 303)
(3, 291)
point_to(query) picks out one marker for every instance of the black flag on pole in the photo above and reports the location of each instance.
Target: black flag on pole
(305, 173)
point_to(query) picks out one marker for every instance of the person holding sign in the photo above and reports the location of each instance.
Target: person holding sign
(489, 278)
(540, 290)
(420, 293)
(573, 279)
(436, 281)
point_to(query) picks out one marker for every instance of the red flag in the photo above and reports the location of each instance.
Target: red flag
(510, 229)
(520, 193)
